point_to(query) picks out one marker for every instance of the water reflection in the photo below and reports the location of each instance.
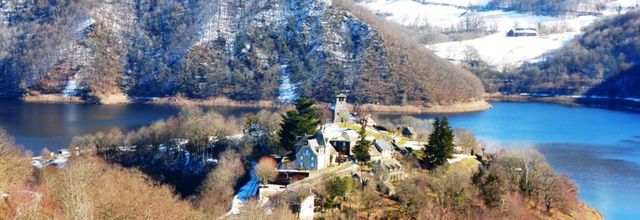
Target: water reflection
(38, 125)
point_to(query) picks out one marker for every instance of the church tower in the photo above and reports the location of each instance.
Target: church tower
(341, 111)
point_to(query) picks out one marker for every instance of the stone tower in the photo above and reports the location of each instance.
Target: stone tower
(341, 111)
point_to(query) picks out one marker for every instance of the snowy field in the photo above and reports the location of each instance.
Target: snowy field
(501, 51)
(460, 2)
(495, 49)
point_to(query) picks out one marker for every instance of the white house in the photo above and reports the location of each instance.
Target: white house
(306, 208)
(315, 153)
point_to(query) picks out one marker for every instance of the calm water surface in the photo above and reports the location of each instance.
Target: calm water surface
(38, 125)
(599, 149)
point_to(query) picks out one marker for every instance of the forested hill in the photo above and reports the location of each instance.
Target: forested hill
(604, 61)
(243, 50)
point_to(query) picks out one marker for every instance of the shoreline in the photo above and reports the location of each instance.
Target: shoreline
(575, 101)
(471, 106)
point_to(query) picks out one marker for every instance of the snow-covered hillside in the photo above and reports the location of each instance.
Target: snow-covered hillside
(501, 51)
(496, 49)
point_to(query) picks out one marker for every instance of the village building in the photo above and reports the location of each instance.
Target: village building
(384, 147)
(522, 32)
(307, 207)
(407, 132)
(341, 110)
(315, 153)
(389, 169)
(345, 142)
(375, 154)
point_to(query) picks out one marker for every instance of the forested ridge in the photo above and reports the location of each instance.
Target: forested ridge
(235, 49)
(602, 62)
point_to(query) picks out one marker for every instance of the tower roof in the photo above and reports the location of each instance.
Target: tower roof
(341, 95)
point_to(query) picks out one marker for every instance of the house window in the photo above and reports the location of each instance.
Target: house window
(312, 158)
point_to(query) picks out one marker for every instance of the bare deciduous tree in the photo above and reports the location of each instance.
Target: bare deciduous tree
(466, 141)
(266, 170)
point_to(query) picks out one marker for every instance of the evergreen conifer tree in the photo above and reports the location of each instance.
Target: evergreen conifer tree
(440, 146)
(361, 150)
(298, 122)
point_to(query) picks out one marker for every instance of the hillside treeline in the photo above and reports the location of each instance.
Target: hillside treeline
(548, 7)
(603, 62)
(202, 49)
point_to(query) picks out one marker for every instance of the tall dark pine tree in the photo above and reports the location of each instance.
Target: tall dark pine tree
(298, 122)
(361, 150)
(440, 146)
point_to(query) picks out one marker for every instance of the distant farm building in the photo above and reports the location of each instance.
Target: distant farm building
(522, 32)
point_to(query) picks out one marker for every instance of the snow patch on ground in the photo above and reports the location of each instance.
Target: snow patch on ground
(71, 88)
(287, 91)
(408, 12)
(250, 189)
(459, 157)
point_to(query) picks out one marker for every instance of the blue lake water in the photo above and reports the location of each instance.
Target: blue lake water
(39, 125)
(598, 148)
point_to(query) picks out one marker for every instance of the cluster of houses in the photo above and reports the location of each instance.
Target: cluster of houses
(334, 145)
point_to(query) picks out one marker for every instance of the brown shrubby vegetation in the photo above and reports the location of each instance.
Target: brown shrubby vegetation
(91, 189)
(217, 191)
(266, 170)
(15, 166)
(416, 76)
(15, 172)
(514, 186)
(467, 141)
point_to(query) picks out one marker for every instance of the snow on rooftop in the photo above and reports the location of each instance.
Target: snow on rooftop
(332, 131)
